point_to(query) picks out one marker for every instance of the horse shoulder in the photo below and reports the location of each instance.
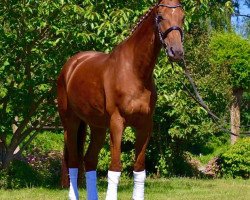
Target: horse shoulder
(136, 100)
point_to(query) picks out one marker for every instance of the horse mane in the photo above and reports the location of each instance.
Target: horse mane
(143, 17)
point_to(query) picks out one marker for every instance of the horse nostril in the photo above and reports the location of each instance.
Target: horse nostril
(172, 50)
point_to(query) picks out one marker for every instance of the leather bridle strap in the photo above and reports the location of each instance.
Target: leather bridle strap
(164, 34)
(172, 28)
(169, 6)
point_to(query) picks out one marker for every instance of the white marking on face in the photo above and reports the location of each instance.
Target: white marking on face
(173, 11)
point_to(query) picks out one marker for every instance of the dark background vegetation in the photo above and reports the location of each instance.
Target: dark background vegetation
(37, 37)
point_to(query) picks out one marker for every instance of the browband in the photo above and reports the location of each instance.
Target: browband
(168, 6)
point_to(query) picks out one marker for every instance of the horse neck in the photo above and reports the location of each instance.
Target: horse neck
(143, 47)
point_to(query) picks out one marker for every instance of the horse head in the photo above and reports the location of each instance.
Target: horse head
(169, 20)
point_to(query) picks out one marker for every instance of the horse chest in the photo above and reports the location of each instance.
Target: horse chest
(137, 103)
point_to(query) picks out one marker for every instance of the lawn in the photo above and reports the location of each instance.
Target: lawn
(156, 189)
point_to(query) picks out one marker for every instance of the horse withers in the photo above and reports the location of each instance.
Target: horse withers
(113, 91)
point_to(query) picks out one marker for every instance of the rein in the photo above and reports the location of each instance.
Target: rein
(198, 99)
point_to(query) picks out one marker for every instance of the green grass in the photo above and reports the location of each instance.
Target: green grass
(156, 189)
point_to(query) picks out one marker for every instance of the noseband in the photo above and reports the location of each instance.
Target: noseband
(164, 34)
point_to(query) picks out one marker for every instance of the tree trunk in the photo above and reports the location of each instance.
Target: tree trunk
(8, 157)
(2, 153)
(6, 153)
(14, 129)
(235, 114)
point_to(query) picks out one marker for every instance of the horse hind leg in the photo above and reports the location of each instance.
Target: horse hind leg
(62, 109)
(81, 136)
(66, 117)
(74, 136)
(73, 152)
(97, 139)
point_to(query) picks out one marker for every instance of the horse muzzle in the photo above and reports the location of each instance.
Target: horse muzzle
(175, 53)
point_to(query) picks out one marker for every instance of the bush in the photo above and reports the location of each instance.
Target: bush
(45, 142)
(18, 175)
(37, 169)
(230, 52)
(235, 162)
(40, 164)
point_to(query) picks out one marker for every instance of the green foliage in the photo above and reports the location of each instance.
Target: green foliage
(46, 142)
(38, 36)
(231, 52)
(127, 156)
(245, 112)
(33, 38)
(213, 148)
(19, 175)
(208, 13)
(235, 162)
(38, 169)
(40, 164)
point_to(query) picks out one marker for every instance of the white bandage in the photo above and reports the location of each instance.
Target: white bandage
(113, 180)
(139, 180)
(73, 190)
(92, 193)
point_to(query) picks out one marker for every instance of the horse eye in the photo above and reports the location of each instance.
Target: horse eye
(159, 18)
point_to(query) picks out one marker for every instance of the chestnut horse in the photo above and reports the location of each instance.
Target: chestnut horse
(112, 91)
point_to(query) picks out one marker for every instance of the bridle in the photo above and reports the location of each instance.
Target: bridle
(159, 18)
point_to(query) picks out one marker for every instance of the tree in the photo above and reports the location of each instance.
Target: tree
(231, 52)
(29, 39)
(36, 39)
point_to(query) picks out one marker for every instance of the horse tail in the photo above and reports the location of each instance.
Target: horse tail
(62, 103)
(62, 99)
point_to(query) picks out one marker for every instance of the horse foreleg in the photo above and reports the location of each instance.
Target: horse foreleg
(116, 130)
(97, 139)
(142, 139)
